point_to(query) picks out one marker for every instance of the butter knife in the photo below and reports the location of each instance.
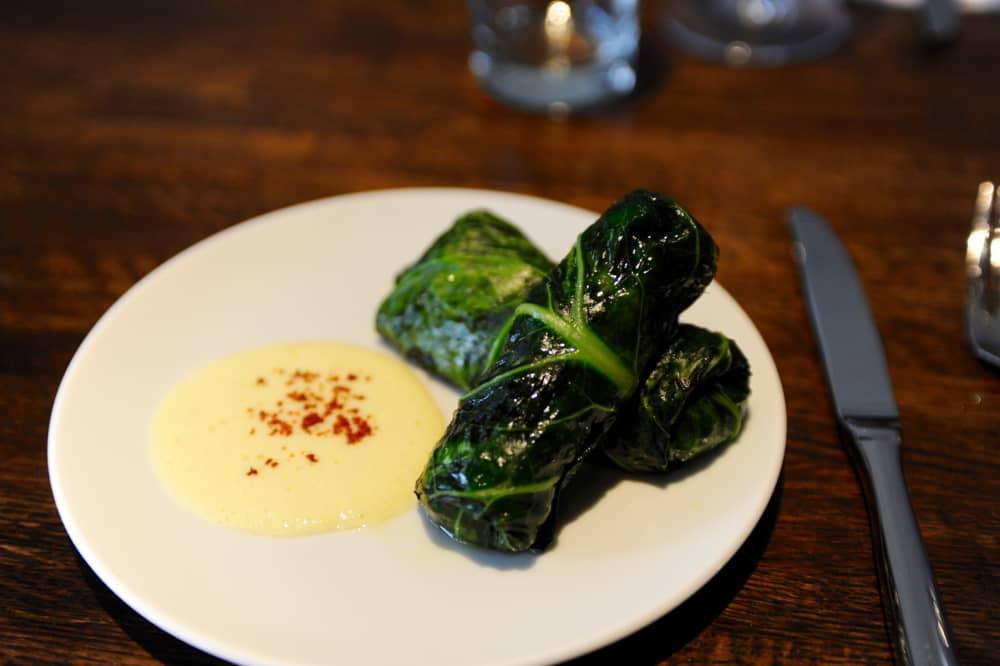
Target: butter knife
(858, 378)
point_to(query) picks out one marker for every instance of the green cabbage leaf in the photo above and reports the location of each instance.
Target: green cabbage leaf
(573, 353)
(692, 401)
(446, 310)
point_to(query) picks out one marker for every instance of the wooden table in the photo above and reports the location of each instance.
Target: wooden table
(128, 131)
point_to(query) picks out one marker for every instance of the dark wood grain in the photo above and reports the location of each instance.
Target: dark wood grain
(130, 130)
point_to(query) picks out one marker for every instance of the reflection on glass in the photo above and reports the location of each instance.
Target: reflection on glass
(757, 32)
(559, 32)
(555, 55)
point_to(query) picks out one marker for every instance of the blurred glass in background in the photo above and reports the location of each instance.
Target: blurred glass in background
(757, 32)
(555, 55)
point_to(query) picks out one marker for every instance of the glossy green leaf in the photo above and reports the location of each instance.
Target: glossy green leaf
(692, 401)
(446, 309)
(573, 352)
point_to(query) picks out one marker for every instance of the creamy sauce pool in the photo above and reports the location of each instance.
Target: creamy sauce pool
(296, 438)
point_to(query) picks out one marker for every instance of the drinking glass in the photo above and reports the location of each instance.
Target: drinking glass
(555, 55)
(757, 32)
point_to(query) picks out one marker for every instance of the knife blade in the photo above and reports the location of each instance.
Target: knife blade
(861, 390)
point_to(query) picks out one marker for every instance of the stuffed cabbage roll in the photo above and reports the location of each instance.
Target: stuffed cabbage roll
(692, 401)
(573, 352)
(446, 310)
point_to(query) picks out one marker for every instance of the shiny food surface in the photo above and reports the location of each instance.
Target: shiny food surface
(293, 439)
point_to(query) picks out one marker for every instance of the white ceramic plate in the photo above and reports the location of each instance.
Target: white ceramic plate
(630, 550)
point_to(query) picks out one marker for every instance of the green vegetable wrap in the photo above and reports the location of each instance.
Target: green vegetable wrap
(446, 309)
(573, 352)
(692, 401)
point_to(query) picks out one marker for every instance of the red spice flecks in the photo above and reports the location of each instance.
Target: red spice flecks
(311, 419)
(362, 429)
(271, 462)
(252, 471)
(313, 399)
(340, 424)
(302, 375)
(279, 426)
(261, 381)
(311, 457)
(335, 401)
(354, 429)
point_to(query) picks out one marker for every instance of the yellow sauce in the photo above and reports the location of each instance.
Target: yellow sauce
(296, 438)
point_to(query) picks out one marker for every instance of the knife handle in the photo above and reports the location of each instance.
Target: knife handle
(917, 622)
